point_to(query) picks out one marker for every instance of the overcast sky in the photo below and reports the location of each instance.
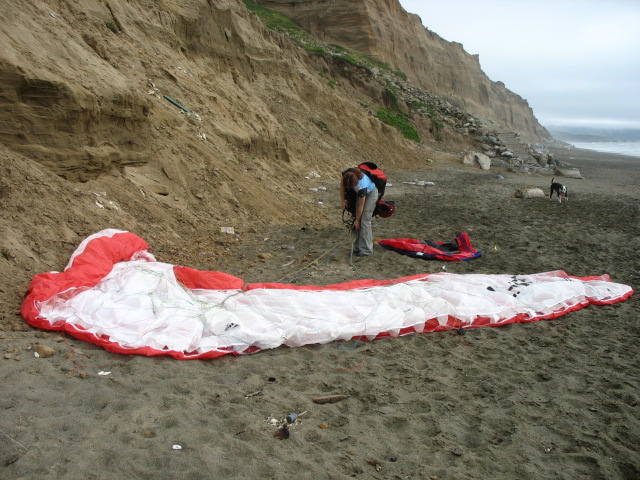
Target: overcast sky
(577, 62)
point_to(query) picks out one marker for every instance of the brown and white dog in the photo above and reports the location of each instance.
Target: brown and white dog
(560, 190)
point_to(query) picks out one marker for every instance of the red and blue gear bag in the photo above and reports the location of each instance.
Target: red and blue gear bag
(458, 249)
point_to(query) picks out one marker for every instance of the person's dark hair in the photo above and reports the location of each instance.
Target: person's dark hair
(351, 177)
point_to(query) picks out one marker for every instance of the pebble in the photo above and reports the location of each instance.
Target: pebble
(43, 351)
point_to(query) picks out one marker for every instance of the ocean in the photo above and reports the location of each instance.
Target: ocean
(623, 148)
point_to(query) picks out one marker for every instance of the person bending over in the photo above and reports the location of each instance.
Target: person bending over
(366, 195)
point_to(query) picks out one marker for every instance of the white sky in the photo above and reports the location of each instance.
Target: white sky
(577, 62)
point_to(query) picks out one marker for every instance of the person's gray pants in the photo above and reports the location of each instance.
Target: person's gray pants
(364, 239)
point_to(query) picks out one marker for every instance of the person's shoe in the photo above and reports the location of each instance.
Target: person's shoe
(360, 254)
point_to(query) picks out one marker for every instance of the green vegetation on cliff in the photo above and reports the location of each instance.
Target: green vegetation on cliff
(284, 25)
(400, 121)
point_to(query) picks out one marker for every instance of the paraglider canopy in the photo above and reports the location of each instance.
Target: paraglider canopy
(115, 294)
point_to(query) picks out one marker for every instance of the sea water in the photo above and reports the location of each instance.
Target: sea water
(631, 149)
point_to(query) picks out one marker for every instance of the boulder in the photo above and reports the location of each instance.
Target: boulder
(529, 192)
(469, 158)
(568, 172)
(542, 159)
(475, 158)
(484, 161)
(539, 148)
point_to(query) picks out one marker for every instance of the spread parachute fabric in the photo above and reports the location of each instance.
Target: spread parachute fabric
(115, 294)
(458, 249)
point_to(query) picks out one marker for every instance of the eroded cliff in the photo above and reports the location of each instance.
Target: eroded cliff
(173, 119)
(383, 30)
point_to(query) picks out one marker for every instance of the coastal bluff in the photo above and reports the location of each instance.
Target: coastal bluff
(383, 30)
(171, 118)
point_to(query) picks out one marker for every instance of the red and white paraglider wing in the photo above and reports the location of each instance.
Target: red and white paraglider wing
(113, 293)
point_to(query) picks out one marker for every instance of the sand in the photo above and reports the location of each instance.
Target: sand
(549, 400)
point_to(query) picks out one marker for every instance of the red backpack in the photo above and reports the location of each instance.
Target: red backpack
(376, 175)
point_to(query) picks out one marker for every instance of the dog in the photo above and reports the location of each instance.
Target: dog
(560, 190)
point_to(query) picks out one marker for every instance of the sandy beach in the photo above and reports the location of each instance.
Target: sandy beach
(552, 399)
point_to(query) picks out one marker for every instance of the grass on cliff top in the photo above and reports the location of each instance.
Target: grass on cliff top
(285, 26)
(278, 22)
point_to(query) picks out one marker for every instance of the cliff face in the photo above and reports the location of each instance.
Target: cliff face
(172, 119)
(84, 83)
(383, 30)
(169, 119)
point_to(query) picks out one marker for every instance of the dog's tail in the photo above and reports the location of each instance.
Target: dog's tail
(553, 179)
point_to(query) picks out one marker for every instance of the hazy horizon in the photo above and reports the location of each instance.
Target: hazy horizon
(576, 62)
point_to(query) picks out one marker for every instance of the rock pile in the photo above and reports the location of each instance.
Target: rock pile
(431, 105)
(514, 154)
(493, 147)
